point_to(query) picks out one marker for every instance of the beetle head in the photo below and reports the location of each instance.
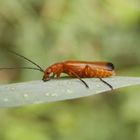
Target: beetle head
(46, 75)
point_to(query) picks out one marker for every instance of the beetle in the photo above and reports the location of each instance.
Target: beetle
(78, 69)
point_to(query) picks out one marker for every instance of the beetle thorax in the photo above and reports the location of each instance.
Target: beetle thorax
(56, 68)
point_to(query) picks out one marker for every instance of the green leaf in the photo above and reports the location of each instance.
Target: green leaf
(19, 94)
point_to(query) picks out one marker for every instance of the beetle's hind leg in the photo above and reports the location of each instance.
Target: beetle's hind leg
(79, 78)
(110, 86)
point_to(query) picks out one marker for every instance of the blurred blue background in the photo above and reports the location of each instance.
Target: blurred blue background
(48, 31)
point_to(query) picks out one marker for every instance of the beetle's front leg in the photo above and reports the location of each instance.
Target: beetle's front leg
(58, 74)
(53, 75)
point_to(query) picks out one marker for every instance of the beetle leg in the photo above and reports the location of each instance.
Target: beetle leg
(58, 74)
(52, 76)
(106, 83)
(79, 78)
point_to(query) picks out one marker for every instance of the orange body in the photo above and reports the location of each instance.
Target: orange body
(81, 69)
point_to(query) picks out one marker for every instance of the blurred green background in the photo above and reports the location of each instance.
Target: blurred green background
(48, 31)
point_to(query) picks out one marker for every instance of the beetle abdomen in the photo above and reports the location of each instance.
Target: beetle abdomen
(100, 73)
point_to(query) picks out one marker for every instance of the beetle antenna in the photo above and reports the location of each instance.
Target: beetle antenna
(9, 68)
(17, 54)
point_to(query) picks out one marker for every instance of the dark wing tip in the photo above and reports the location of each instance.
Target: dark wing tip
(110, 66)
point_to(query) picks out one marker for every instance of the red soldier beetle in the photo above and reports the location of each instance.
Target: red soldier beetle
(78, 69)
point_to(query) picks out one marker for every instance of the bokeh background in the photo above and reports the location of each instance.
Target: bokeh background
(48, 31)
